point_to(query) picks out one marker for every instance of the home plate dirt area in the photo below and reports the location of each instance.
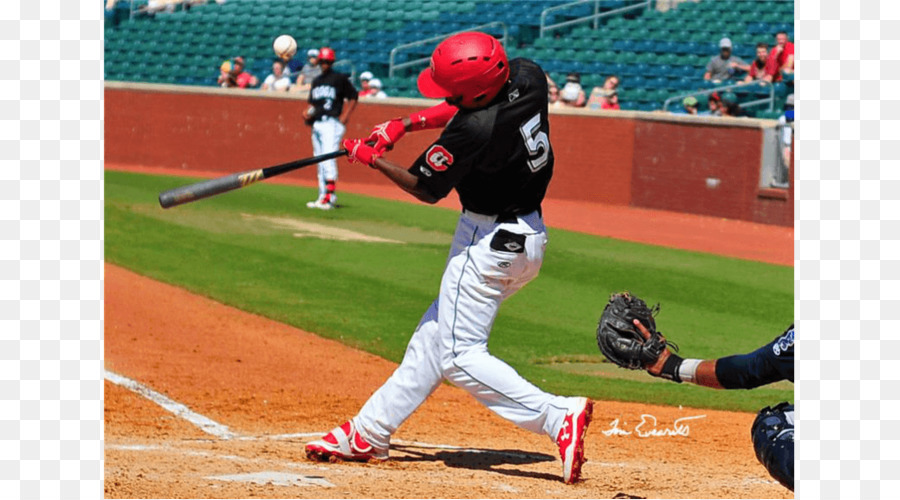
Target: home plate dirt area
(206, 401)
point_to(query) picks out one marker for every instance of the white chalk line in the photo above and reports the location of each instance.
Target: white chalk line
(216, 429)
(205, 424)
(272, 477)
(210, 454)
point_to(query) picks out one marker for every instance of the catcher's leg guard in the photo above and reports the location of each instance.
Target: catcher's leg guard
(773, 440)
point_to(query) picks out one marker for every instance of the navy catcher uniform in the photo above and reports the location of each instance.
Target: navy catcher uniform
(772, 432)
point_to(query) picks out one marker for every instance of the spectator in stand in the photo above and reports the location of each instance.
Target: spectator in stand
(552, 93)
(730, 106)
(154, 6)
(723, 66)
(781, 58)
(757, 70)
(553, 97)
(232, 74)
(365, 88)
(611, 102)
(715, 105)
(572, 94)
(690, 105)
(278, 79)
(604, 97)
(375, 84)
(309, 71)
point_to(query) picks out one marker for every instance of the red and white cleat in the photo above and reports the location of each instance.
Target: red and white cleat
(323, 203)
(346, 444)
(571, 439)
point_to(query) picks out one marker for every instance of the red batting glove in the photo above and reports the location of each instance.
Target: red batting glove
(358, 151)
(386, 134)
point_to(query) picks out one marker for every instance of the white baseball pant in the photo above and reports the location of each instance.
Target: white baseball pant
(452, 337)
(327, 133)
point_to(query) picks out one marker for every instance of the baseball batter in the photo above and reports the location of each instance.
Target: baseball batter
(331, 100)
(495, 151)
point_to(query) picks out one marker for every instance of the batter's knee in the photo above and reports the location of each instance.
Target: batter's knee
(460, 361)
(773, 441)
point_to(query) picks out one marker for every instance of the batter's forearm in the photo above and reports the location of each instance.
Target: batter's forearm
(407, 181)
(434, 117)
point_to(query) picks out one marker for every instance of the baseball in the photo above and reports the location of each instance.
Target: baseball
(285, 46)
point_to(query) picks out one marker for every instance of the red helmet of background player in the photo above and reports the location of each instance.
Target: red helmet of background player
(468, 68)
(326, 54)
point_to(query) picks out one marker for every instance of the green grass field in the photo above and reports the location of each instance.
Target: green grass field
(243, 249)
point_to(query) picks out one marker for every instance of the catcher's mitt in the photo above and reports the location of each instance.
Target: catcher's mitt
(618, 338)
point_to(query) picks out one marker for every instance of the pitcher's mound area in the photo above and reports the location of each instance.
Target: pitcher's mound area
(222, 402)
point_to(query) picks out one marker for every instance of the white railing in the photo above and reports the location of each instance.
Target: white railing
(394, 66)
(770, 99)
(595, 17)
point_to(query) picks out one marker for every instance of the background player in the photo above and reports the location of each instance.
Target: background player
(773, 430)
(328, 114)
(496, 153)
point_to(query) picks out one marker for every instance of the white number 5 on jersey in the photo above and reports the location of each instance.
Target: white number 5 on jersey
(537, 143)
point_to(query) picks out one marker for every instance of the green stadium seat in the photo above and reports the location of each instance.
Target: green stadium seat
(544, 43)
(607, 56)
(669, 58)
(582, 32)
(645, 58)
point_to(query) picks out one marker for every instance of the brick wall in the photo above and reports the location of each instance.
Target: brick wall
(622, 158)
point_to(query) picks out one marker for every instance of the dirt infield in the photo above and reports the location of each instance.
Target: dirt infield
(733, 238)
(271, 387)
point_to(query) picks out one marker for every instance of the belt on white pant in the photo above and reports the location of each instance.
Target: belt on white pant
(492, 219)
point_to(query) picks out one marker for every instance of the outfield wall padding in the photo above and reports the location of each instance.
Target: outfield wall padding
(650, 160)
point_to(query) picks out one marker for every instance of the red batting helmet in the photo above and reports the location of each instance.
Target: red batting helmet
(326, 54)
(469, 68)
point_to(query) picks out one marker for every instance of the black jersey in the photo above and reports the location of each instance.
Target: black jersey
(328, 92)
(499, 157)
(770, 363)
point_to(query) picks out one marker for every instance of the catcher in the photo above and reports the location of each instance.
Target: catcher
(627, 336)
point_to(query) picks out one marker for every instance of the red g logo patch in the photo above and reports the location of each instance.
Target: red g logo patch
(438, 158)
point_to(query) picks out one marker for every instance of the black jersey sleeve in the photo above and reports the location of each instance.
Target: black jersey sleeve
(349, 91)
(456, 152)
(770, 363)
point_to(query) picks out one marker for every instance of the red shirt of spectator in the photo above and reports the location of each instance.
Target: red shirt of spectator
(244, 80)
(779, 57)
(611, 103)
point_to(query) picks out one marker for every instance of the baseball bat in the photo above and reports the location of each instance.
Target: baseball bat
(205, 189)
